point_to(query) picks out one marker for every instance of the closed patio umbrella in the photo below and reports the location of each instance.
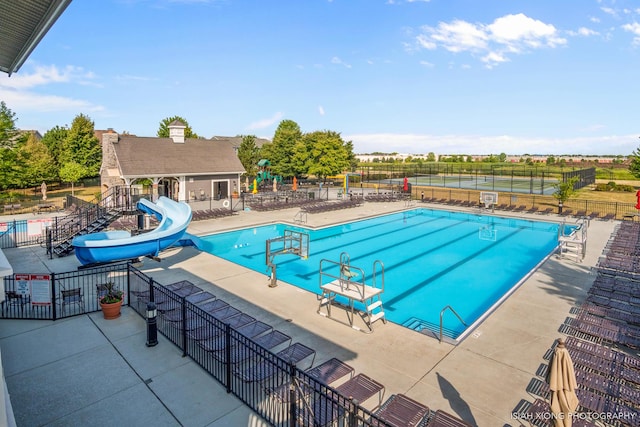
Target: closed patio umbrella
(255, 186)
(562, 383)
(295, 184)
(275, 185)
(43, 190)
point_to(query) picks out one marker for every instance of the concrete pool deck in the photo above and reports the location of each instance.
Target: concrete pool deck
(480, 380)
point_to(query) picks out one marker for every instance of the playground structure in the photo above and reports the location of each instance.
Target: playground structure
(349, 285)
(291, 242)
(264, 176)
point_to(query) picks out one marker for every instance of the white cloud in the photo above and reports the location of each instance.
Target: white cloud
(635, 30)
(584, 32)
(474, 144)
(265, 123)
(25, 101)
(44, 75)
(321, 110)
(24, 91)
(427, 64)
(492, 43)
(338, 61)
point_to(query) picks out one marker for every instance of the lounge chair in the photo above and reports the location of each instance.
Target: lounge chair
(264, 369)
(211, 331)
(218, 343)
(400, 411)
(326, 373)
(361, 387)
(183, 288)
(269, 341)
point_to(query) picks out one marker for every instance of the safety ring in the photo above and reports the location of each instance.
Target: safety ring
(225, 204)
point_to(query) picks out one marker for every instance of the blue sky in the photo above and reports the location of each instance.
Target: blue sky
(411, 76)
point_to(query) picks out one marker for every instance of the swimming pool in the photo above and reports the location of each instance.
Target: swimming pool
(432, 259)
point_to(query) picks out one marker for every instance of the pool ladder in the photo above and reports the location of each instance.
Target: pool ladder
(454, 312)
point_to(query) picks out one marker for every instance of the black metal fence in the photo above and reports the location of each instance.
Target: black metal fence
(59, 295)
(281, 392)
(516, 178)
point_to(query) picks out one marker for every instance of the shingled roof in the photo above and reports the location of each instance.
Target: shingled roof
(148, 156)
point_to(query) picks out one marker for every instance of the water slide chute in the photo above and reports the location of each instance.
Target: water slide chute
(119, 245)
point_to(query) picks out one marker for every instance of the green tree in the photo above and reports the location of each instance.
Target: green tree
(634, 165)
(431, 157)
(564, 191)
(249, 154)
(54, 139)
(326, 153)
(38, 162)
(10, 141)
(551, 160)
(72, 172)
(502, 157)
(281, 150)
(8, 130)
(82, 146)
(163, 130)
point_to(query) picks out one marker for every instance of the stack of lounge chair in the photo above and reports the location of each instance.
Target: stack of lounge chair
(203, 214)
(332, 206)
(603, 340)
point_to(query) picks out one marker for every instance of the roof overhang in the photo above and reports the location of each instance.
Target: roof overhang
(23, 23)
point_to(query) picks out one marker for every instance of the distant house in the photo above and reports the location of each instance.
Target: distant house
(177, 167)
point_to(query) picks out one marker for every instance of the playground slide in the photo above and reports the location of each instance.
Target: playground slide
(118, 245)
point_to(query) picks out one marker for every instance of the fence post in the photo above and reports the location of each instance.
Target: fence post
(352, 414)
(184, 326)
(292, 396)
(53, 296)
(227, 353)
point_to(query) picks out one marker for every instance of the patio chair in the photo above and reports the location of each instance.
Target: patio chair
(361, 387)
(183, 288)
(400, 411)
(325, 373)
(264, 369)
(72, 297)
(212, 331)
(15, 299)
(218, 344)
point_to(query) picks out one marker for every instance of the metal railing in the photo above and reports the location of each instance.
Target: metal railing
(454, 312)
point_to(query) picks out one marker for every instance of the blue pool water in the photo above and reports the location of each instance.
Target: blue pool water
(431, 259)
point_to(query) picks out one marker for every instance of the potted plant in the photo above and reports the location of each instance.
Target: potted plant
(110, 300)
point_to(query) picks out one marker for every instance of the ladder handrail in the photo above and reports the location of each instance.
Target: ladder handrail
(373, 279)
(442, 314)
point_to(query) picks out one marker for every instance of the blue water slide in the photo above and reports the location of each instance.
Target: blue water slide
(119, 245)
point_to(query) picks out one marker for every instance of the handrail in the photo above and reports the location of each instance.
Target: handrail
(373, 279)
(454, 312)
